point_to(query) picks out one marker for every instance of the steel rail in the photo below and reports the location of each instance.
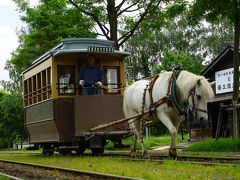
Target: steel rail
(191, 159)
(11, 177)
(72, 171)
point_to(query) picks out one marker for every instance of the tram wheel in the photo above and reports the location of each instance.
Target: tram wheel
(81, 150)
(65, 152)
(48, 152)
(97, 151)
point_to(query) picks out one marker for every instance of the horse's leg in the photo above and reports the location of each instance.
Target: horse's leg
(177, 122)
(173, 131)
(133, 150)
(144, 150)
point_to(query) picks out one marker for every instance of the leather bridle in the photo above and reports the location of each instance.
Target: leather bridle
(192, 93)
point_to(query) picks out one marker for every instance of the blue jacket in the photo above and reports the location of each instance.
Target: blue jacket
(90, 75)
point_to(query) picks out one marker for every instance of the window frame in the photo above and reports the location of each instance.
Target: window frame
(74, 79)
(35, 88)
(105, 68)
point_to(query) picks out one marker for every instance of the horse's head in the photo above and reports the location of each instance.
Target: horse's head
(198, 97)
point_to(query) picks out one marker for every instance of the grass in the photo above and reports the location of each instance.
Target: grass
(144, 170)
(152, 141)
(5, 178)
(11, 150)
(220, 145)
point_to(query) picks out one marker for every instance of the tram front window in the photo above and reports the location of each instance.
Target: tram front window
(66, 79)
(112, 81)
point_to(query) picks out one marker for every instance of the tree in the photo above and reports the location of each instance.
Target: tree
(213, 11)
(47, 24)
(182, 58)
(218, 33)
(158, 38)
(111, 18)
(11, 119)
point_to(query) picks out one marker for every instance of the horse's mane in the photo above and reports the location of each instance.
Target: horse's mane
(187, 80)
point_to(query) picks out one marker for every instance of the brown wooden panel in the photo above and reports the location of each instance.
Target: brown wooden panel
(43, 132)
(40, 112)
(91, 111)
(197, 134)
(64, 118)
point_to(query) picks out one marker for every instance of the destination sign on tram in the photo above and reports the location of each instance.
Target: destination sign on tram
(224, 81)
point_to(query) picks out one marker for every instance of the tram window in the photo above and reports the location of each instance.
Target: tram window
(44, 87)
(66, 79)
(38, 87)
(25, 93)
(111, 75)
(30, 90)
(34, 89)
(49, 82)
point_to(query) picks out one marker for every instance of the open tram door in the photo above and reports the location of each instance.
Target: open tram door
(57, 116)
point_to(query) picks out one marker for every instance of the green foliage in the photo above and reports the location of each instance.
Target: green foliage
(11, 119)
(212, 11)
(171, 59)
(220, 145)
(47, 24)
(153, 43)
(219, 32)
(162, 36)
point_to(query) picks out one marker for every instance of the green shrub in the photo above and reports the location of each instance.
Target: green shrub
(222, 144)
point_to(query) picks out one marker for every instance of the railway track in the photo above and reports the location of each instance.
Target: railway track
(9, 176)
(160, 158)
(191, 159)
(37, 171)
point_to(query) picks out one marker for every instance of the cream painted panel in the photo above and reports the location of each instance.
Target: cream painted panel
(40, 67)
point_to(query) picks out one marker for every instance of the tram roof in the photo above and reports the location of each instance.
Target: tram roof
(80, 45)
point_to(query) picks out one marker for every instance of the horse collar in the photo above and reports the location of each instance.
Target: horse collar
(172, 97)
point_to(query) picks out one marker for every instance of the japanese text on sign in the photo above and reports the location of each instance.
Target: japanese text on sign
(224, 81)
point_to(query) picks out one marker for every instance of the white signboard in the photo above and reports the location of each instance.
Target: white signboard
(224, 81)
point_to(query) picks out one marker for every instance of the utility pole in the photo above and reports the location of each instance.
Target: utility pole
(236, 72)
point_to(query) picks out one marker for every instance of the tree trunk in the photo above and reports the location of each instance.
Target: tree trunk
(236, 72)
(112, 15)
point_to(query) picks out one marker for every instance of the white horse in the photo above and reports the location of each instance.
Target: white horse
(168, 115)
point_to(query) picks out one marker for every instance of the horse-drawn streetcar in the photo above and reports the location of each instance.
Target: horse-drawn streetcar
(57, 115)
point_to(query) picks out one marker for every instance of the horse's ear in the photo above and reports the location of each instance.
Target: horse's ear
(198, 82)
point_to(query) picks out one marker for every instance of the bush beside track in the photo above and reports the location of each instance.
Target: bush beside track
(219, 145)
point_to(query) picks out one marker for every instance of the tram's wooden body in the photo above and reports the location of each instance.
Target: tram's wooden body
(57, 116)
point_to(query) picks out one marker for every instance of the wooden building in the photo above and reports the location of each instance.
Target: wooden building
(220, 73)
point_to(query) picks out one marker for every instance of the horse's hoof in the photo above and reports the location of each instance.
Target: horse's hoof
(173, 154)
(133, 154)
(145, 154)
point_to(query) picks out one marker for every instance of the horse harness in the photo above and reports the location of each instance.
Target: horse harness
(172, 96)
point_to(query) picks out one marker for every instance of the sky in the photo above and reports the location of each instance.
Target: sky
(9, 23)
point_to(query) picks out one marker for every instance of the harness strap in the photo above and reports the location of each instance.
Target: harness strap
(165, 99)
(151, 88)
(172, 97)
(174, 91)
